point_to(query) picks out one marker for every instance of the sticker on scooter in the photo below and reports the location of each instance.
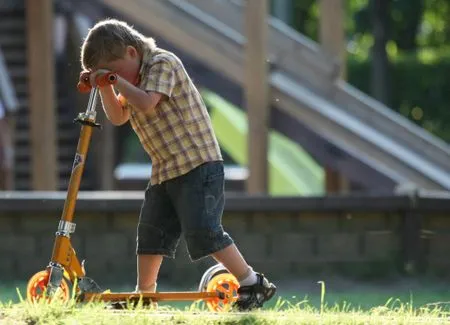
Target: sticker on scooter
(79, 160)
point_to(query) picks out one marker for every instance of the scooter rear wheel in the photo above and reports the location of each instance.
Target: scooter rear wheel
(227, 284)
(37, 286)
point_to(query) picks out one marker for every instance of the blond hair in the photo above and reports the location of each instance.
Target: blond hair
(108, 40)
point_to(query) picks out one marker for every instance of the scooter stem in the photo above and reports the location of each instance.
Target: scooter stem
(64, 255)
(88, 122)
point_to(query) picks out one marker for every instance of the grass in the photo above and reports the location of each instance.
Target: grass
(363, 295)
(284, 312)
(323, 308)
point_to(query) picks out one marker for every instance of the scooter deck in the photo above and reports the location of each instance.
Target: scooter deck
(156, 296)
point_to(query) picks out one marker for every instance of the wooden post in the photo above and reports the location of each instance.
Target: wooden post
(39, 15)
(412, 243)
(332, 39)
(256, 93)
(332, 30)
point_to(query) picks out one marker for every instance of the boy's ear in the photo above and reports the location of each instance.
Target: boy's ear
(131, 50)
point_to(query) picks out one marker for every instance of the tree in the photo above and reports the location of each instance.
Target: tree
(305, 17)
(379, 10)
(406, 17)
(435, 26)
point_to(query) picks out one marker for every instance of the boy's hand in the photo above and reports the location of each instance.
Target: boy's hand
(97, 75)
(98, 78)
(84, 84)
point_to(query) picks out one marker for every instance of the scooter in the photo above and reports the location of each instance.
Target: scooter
(217, 288)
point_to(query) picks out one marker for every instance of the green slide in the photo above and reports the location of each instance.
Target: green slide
(292, 171)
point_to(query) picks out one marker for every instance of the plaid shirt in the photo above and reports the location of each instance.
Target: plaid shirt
(179, 135)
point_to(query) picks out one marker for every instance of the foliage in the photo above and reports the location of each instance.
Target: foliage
(306, 13)
(435, 29)
(419, 87)
(412, 23)
(418, 37)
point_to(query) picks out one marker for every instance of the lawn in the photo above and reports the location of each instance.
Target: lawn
(282, 313)
(401, 302)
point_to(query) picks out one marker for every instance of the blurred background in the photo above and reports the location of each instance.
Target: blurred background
(332, 115)
(368, 83)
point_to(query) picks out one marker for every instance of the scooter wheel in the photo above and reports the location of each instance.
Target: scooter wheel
(227, 284)
(37, 286)
(211, 273)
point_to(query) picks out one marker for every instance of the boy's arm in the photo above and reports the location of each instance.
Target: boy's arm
(114, 110)
(116, 113)
(142, 100)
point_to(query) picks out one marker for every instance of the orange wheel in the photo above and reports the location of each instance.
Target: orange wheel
(226, 283)
(38, 284)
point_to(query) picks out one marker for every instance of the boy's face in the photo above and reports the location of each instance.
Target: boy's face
(127, 67)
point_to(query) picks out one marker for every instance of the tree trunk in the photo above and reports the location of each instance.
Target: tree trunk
(380, 63)
(407, 33)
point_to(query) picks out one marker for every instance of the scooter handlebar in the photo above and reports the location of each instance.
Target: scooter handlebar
(85, 86)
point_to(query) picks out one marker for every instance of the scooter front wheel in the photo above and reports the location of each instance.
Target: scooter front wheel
(37, 287)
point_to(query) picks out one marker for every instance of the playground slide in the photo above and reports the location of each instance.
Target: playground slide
(375, 141)
(292, 171)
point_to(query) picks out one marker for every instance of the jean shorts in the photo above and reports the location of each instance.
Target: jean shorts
(192, 205)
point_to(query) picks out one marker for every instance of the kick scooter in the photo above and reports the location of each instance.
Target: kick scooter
(218, 287)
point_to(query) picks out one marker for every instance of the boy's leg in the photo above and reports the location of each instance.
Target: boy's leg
(199, 201)
(254, 289)
(234, 262)
(148, 270)
(158, 234)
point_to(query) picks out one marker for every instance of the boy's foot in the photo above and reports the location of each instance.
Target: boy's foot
(254, 296)
(148, 302)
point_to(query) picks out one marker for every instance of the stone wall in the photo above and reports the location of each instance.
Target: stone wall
(280, 237)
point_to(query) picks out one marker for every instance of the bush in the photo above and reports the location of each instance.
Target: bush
(419, 88)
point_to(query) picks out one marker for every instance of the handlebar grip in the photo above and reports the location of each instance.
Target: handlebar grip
(84, 84)
(83, 88)
(109, 78)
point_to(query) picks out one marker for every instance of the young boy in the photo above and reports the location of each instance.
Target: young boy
(186, 190)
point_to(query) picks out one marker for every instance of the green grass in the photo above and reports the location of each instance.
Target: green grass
(392, 312)
(339, 291)
(361, 305)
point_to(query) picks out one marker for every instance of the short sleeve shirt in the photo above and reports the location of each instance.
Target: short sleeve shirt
(178, 135)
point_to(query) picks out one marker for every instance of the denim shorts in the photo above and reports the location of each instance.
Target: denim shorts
(191, 204)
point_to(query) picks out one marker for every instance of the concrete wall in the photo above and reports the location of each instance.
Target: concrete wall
(280, 237)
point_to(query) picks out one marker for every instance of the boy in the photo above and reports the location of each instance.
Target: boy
(186, 188)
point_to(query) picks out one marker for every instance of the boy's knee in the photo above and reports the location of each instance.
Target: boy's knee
(202, 243)
(149, 237)
(152, 240)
